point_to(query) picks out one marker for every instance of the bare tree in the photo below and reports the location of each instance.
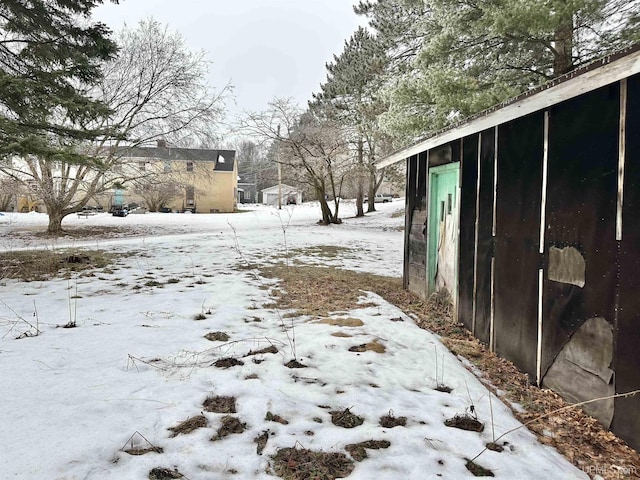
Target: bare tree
(156, 89)
(310, 144)
(10, 190)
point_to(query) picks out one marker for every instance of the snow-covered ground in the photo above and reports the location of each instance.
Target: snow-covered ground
(71, 400)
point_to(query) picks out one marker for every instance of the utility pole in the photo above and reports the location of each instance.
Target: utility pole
(279, 172)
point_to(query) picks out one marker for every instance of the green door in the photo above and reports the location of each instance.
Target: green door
(443, 228)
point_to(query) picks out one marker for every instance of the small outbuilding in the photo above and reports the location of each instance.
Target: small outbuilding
(526, 215)
(290, 195)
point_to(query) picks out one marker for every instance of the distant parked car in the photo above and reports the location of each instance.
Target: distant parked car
(120, 212)
(381, 198)
(165, 210)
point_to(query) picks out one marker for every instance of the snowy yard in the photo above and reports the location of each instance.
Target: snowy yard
(138, 363)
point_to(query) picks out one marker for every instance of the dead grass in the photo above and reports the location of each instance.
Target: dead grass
(346, 419)
(477, 470)
(318, 291)
(189, 425)
(220, 404)
(389, 421)
(164, 474)
(261, 441)
(228, 362)
(217, 336)
(580, 438)
(322, 251)
(303, 464)
(358, 451)
(270, 417)
(342, 322)
(262, 351)
(36, 265)
(230, 425)
(465, 422)
(373, 346)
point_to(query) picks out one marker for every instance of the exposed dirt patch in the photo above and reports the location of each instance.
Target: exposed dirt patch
(465, 422)
(373, 346)
(441, 387)
(341, 334)
(164, 474)
(389, 421)
(269, 349)
(477, 470)
(230, 425)
(36, 265)
(495, 447)
(342, 322)
(220, 404)
(189, 425)
(345, 419)
(217, 336)
(228, 362)
(358, 451)
(302, 464)
(294, 364)
(261, 441)
(270, 417)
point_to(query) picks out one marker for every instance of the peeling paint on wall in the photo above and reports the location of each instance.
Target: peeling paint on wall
(567, 265)
(582, 369)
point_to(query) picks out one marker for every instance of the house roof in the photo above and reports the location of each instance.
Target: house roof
(286, 189)
(592, 76)
(223, 159)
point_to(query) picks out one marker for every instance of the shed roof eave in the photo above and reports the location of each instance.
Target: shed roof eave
(600, 73)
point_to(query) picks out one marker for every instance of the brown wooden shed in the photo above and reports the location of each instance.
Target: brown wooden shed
(527, 214)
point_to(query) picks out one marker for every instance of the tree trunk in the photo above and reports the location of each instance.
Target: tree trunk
(360, 198)
(360, 181)
(324, 207)
(372, 192)
(56, 214)
(563, 45)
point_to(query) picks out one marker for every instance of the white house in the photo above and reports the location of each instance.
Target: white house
(290, 195)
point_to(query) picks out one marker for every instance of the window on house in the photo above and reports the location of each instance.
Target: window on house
(189, 166)
(167, 167)
(142, 166)
(190, 194)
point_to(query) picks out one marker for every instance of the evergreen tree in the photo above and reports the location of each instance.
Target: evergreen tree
(477, 53)
(352, 90)
(49, 52)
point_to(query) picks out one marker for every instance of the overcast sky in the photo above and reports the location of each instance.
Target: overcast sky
(264, 48)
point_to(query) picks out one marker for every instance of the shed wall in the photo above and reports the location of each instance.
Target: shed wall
(567, 313)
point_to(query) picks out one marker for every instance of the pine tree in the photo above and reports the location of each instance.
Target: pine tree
(477, 53)
(352, 90)
(49, 52)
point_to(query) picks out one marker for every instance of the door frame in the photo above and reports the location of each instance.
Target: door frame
(434, 172)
